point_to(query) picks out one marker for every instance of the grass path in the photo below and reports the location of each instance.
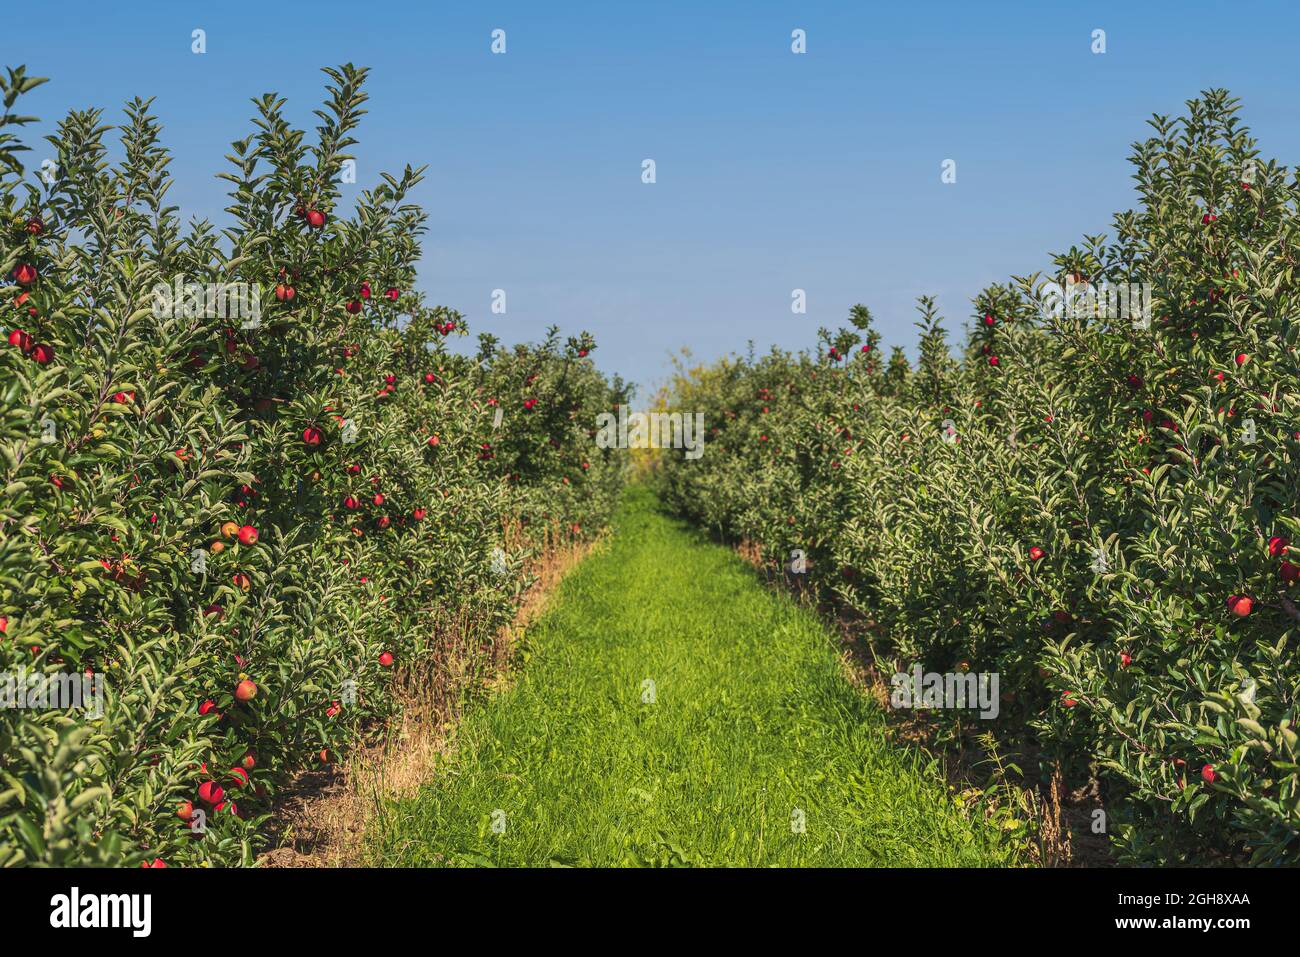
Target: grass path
(752, 723)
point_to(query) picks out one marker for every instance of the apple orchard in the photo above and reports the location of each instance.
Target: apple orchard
(254, 536)
(1100, 510)
(248, 532)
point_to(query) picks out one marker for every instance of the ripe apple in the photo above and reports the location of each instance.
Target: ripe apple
(210, 792)
(1242, 358)
(249, 760)
(1277, 545)
(207, 706)
(239, 777)
(391, 293)
(25, 274)
(43, 353)
(1208, 775)
(386, 659)
(247, 535)
(1240, 605)
(311, 436)
(185, 811)
(1036, 553)
(353, 306)
(315, 218)
(246, 690)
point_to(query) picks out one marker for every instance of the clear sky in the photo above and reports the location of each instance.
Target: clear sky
(775, 171)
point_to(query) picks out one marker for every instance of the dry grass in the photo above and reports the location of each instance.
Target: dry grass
(321, 818)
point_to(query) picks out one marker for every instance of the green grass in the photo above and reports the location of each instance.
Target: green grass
(753, 719)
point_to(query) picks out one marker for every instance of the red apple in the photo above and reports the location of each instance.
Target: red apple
(210, 792)
(245, 690)
(386, 659)
(311, 436)
(247, 535)
(1240, 605)
(315, 218)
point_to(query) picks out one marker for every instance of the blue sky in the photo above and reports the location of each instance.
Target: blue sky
(775, 171)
